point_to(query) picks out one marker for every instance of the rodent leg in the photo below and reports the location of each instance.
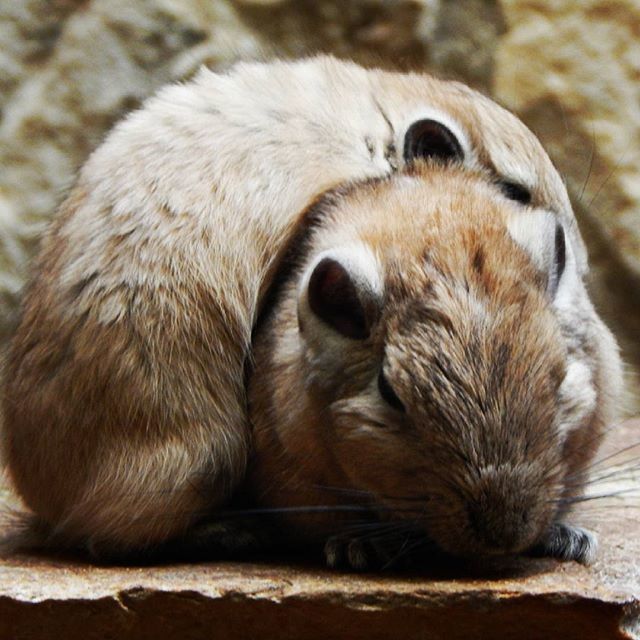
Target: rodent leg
(224, 539)
(339, 552)
(567, 542)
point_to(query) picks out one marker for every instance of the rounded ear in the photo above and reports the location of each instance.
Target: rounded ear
(343, 290)
(431, 139)
(543, 237)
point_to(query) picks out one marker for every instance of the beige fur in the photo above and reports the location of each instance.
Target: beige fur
(124, 405)
(483, 356)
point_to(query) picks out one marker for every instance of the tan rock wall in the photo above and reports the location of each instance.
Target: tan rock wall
(70, 68)
(571, 70)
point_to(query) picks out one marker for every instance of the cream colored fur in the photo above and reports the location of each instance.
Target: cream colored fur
(125, 416)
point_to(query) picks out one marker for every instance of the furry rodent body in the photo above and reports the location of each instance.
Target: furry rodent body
(470, 404)
(124, 404)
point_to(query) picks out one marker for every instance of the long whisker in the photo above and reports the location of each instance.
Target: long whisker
(405, 550)
(371, 496)
(620, 473)
(591, 158)
(597, 463)
(610, 175)
(602, 496)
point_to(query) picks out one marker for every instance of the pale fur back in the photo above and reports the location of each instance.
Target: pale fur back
(125, 402)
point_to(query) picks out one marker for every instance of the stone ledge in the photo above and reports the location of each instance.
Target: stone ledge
(60, 598)
(247, 601)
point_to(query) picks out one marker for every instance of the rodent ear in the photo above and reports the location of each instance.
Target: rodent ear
(429, 138)
(544, 238)
(343, 290)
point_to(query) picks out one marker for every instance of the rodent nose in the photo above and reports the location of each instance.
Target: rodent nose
(499, 530)
(505, 513)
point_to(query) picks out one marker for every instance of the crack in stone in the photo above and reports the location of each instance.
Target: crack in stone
(119, 598)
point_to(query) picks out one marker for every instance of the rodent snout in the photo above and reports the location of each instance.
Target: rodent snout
(506, 512)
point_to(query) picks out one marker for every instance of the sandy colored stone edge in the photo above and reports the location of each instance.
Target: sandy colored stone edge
(147, 613)
(54, 597)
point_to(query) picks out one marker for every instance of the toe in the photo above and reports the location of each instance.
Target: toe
(568, 542)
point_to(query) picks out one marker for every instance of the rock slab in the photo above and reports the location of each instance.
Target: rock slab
(52, 597)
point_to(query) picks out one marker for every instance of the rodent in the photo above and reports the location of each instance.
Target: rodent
(431, 358)
(124, 404)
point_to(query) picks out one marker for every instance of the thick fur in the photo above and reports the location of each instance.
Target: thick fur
(124, 405)
(479, 346)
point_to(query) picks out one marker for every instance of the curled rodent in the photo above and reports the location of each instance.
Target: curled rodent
(431, 362)
(125, 400)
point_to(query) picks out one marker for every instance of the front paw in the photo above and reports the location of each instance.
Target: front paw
(363, 553)
(350, 553)
(223, 539)
(567, 542)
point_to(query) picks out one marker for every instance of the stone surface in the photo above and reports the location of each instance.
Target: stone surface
(48, 597)
(583, 70)
(571, 70)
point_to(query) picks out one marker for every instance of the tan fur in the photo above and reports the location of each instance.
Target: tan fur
(487, 429)
(124, 405)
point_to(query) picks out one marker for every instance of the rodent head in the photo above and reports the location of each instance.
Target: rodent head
(437, 350)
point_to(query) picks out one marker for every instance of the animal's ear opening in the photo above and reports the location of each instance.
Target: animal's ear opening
(333, 297)
(431, 139)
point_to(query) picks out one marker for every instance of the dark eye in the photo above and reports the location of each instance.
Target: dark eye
(516, 192)
(388, 394)
(561, 250)
(560, 260)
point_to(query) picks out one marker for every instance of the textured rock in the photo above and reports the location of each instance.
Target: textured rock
(571, 70)
(44, 597)
(583, 70)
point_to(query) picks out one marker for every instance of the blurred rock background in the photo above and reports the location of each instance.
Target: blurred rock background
(571, 70)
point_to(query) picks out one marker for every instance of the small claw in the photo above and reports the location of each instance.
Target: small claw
(362, 555)
(333, 549)
(350, 553)
(567, 542)
(357, 555)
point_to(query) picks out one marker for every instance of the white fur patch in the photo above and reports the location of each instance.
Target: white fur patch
(534, 231)
(570, 283)
(577, 396)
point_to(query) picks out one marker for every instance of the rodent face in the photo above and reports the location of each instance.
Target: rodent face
(427, 355)
(461, 416)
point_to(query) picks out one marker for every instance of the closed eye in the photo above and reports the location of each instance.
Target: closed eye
(515, 191)
(560, 260)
